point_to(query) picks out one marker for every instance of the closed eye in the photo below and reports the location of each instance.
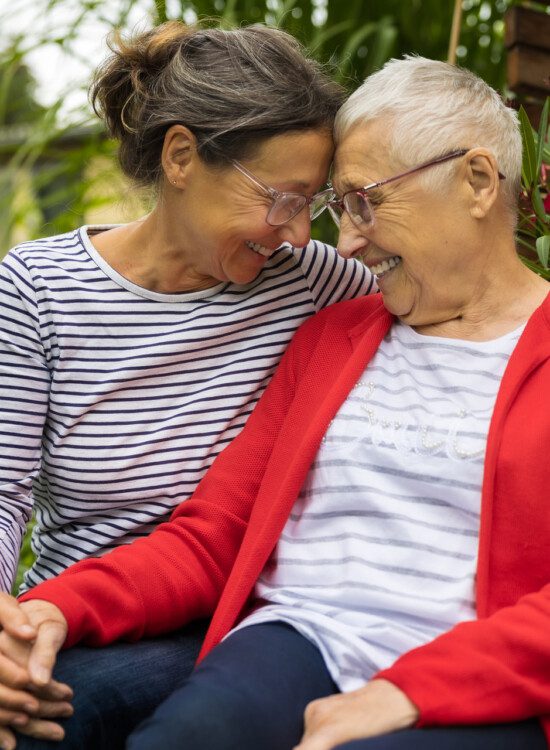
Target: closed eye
(375, 196)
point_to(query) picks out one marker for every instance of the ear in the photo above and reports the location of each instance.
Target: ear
(178, 151)
(483, 181)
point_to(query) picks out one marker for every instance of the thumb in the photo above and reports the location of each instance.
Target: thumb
(50, 638)
(13, 619)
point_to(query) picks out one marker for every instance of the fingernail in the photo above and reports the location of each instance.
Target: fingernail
(41, 675)
(27, 630)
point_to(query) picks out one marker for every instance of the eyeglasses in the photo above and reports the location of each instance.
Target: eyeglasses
(285, 206)
(357, 204)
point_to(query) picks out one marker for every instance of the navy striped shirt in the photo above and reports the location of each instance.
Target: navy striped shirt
(115, 400)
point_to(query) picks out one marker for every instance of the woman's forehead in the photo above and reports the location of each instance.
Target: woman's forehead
(361, 156)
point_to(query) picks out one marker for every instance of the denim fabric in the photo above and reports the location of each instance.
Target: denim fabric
(250, 694)
(117, 687)
(525, 735)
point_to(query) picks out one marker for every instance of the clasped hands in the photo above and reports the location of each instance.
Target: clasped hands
(33, 633)
(31, 636)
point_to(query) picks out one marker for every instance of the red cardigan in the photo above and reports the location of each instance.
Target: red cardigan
(207, 558)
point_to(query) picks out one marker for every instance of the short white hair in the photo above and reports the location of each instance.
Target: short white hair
(432, 108)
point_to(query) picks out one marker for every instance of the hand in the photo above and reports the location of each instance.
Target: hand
(33, 633)
(378, 708)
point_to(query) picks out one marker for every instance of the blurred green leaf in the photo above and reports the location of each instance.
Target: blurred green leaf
(530, 170)
(543, 249)
(538, 205)
(542, 134)
(26, 558)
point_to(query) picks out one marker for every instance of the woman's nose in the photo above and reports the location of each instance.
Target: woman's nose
(351, 242)
(297, 231)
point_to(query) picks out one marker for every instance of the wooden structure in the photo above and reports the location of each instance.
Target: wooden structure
(527, 40)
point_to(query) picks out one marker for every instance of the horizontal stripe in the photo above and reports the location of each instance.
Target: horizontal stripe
(118, 399)
(379, 552)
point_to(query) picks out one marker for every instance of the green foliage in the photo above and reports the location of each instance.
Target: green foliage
(25, 559)
(534, 221)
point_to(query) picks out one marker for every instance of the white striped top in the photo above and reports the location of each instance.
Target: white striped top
(379, 553)
(115, 400)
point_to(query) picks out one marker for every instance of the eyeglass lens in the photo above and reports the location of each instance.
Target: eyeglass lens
(359, 209)
(357, 206)
(285, 207)
(288, 205)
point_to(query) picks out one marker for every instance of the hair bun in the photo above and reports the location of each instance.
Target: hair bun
(122, 84)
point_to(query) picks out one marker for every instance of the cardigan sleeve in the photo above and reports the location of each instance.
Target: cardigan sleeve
(485, 671)
(177, 573)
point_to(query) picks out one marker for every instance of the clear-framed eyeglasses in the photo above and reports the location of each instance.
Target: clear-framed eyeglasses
(356, 202)
(286, 205)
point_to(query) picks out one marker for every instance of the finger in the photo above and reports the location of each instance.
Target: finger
(53, 691)
(17, 718)
(52, 709)
(14, 620)
(50, 638)
(42, 730)
(18, 700)
(314, 744)
(7, 739)
(12, 674)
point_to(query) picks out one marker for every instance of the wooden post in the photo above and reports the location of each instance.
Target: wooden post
(527, 39)
(455, 32)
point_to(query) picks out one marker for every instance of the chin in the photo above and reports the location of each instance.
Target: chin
(398, 307)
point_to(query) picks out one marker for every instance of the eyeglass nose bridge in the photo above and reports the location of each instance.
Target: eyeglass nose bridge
(302, 201)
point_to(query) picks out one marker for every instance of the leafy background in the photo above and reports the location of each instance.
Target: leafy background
(57, 168)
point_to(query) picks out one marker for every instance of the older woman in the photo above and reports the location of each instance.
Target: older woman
(374, 542)
(131, 355)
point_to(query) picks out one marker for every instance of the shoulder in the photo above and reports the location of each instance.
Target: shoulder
(342, 318)
(32, 252)
(330, 277)
(319, 255)
(328, 334)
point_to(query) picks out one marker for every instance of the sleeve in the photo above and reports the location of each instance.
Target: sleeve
(332, 278)
(482, 672)
(24, 395)
(177, 574)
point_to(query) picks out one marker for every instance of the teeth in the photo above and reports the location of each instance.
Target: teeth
(260, 249)
(386, 265)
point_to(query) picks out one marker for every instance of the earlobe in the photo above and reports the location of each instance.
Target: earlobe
(483, 181)
(178, 151)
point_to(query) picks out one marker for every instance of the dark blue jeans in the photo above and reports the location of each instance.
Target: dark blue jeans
(116, 687)
(250, 694)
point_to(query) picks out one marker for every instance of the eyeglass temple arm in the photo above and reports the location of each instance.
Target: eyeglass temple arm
(269, 190)
(432, 162)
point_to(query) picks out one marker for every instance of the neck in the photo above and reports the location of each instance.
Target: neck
(152, 253)
(496, 297)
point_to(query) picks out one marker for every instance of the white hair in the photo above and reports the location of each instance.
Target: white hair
(432, 108)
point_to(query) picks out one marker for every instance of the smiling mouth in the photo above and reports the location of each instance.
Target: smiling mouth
(382, 268)
(260, 249)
